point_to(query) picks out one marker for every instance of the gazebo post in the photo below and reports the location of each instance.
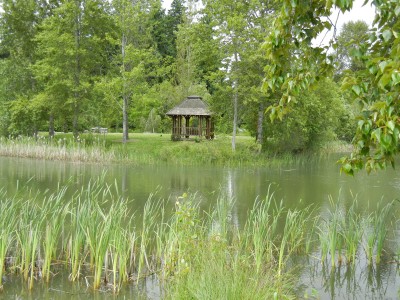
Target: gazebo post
(200, 126)
(180, 126)
(187, 129)
(208, 128)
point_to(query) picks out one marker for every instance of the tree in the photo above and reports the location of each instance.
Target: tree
(230, 23)
(241, 27)
(311, 122)
(376, 86)
(128, 79)
(19, 23)
(352, 37)
(72, 46)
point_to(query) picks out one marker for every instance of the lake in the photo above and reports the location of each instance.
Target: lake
(298, 184)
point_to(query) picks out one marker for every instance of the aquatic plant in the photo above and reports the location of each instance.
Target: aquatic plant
(352, 232)
(380, 224)
(260, 230)
(95, 234)
(7, 223)
(55, 212)
(62, 149)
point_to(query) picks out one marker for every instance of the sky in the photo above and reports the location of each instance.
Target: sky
(359, 12)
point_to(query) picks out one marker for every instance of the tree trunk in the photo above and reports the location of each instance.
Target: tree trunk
(51, 125)
(75, 119)
(260, 121)
(125, 98)
(125, 125)
(235, 106)
(77, 74)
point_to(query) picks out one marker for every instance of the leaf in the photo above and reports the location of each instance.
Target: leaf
(387, 35)
(347, 169)
(386, 141)
(390, 125)
(384, 81)
(395, 78)
(366, 128)
(397, 10)
(382, 65)
(376, 134)
(356, 89)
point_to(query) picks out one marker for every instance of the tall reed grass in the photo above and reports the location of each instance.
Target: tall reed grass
(62, 149)
(94, 233)
(347, 231)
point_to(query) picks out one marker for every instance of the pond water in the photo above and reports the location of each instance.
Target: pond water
(302, 183)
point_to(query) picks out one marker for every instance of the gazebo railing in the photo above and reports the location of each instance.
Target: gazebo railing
(190, 131)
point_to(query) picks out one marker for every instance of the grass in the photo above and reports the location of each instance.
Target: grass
(143, 149)
(349, 230)
(194, 254)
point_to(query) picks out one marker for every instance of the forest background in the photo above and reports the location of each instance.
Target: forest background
(75, 64)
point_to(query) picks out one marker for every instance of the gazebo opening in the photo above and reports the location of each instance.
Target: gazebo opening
(191, 118)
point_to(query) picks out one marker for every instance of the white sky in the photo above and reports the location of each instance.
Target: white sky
(358, 13)
(166, 4)
(365, 13)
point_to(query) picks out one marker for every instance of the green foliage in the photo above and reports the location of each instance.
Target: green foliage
(375, 85)
(311, 122)
(27, 116)
(353, 37)
(74, 65)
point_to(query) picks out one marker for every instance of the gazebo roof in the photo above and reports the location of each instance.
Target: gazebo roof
(191, 106)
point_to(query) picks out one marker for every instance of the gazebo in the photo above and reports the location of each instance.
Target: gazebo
(196, 116)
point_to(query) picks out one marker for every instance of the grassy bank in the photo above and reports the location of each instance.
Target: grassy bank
(145, 149)
(193, 254)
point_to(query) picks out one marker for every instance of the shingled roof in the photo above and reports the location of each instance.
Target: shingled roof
(191, 106)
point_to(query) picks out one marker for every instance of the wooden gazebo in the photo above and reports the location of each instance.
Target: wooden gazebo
(191, 118)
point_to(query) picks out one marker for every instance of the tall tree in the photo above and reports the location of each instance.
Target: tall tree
(241, 27)
(229, 19)
(73, 53)
(352, 37)
(19, 23)
(136, 54)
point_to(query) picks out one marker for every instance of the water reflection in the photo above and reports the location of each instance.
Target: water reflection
(348, 281)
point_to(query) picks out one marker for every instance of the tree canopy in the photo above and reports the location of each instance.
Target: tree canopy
(70, 65)
(375, 85)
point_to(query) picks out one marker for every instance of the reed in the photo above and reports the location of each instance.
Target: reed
(120, 242)
(8, 208)
(99, 246)
(119, 252)
(78, 217)
(369, 237)
(62, 149)
(331, 234)
(185, 231)
(194, 254)
(221, 218)
(294, 235)
(55, 212)
(260, 230)
(323, 241)
(352, 232)
(28, 230)
(151, 212)
(380, 224)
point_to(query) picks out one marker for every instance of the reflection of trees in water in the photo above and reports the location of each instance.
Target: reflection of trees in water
(231, 194)
(179, 181)
(348, 281)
